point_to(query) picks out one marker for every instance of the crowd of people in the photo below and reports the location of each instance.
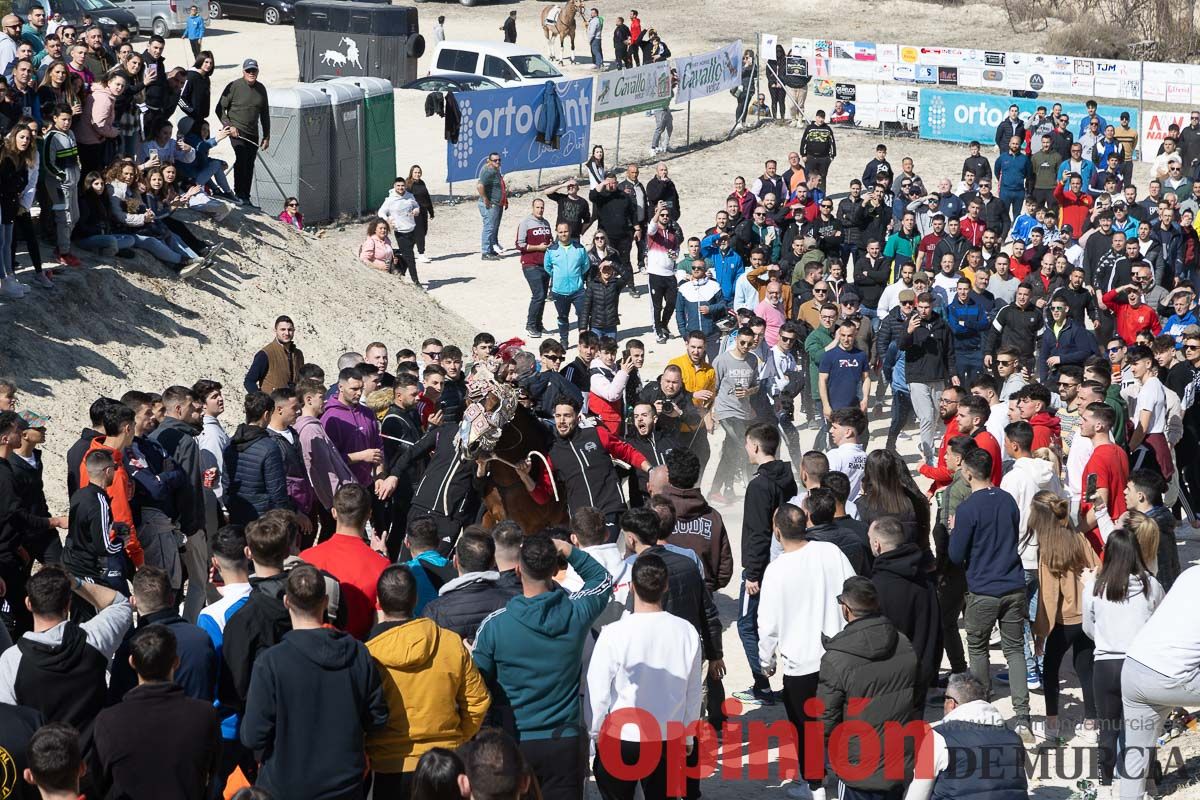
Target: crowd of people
(91, 160)
(322, 601)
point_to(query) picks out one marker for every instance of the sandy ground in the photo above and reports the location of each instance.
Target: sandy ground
(108, 330)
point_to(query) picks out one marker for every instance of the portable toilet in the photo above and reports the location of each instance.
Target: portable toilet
(297, 163)
(380, 125)
(347, 161)
(342, 38)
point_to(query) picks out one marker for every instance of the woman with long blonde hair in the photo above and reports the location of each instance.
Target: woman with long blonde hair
(1146, 533)
(1064, 557)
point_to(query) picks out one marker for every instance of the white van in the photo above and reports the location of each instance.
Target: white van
(506, 64)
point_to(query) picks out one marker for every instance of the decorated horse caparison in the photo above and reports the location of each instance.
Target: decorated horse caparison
(497, 427)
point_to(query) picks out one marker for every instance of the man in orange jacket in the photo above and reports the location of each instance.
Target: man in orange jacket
(118, 435)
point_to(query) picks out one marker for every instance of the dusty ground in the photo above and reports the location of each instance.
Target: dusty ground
(109, 330)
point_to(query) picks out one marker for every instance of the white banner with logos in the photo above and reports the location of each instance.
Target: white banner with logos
(968, 68)
(709, 73)
(628, 91)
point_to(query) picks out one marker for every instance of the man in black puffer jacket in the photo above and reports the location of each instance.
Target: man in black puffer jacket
(257, 477)
(908, 594)
(870, 659)
(464, 602)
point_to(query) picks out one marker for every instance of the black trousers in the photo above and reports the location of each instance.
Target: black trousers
(1062, 638)
(558, 765)
(654, 785)
(952, 595)
(663, 290)
(15, 577)
(796, 690)
(244, 155)
(24, 228)
(197, 45)
(391, 785)
(818, 165)
(421, 231)
(778, 102)
(623, 245)
(180, 229)
(1106, 687)
(405, 260)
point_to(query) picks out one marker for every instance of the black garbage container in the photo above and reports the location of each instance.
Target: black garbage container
(339, 38)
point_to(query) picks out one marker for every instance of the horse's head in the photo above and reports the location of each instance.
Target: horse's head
(492, 406)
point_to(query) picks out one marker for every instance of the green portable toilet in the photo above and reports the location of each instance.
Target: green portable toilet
(380, 124)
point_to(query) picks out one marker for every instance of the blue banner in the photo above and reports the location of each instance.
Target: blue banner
(974, 116)
(504, 121)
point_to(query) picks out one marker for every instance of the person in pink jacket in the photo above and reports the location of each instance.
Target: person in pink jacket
(376, 251)
(96, 126)
(770, 308)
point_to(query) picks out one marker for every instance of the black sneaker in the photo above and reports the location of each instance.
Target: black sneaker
(125, 252)
(489, 257)
(533, 334)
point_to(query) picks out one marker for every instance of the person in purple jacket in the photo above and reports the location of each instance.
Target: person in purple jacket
(353, 428)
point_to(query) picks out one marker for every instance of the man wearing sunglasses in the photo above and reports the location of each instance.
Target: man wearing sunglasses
(1064, 342)
(1017, 325)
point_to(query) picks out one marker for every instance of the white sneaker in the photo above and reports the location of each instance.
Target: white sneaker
(499, 250)
(818, 793)
(42, 279)
(191, 268)
(423, 259)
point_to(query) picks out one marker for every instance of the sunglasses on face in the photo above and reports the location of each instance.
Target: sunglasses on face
(787, 338)
(1008, 363)
(553, 357)
(1115, 349)
(432, 353)
(906, 302)
(1191, 347)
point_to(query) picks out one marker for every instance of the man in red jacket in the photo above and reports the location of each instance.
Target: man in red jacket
(1074, 202)
(118, 436)
(948, 411)
(1133, 316)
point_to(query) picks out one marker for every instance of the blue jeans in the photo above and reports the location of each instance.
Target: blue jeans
(1013, 201)
(106, 244)
(157, 248)
(7, 267)
(747, 626)
(214, 170)
(539, 281)
(597, 52)
(602, 332)
(563, 304)
(872, 315)
(1031, 591)
(969, 364)
(491, 224)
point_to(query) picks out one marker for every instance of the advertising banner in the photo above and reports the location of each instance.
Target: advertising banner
(1154, 130)
(709, 73)
(628, 91)
(505, 121)
(969, 116)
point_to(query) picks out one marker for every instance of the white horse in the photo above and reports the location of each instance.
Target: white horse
(351, 51)
(333, 57)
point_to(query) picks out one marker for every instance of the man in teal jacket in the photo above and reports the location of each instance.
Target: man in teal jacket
(530, 653)
(568, 265)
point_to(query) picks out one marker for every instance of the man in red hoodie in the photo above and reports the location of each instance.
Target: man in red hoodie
(948, 410)
(1033, 404)
(1074, 203)
(1133, 316)
(118, 435)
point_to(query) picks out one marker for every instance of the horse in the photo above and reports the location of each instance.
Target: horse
(496, 427)
(564, 26)
(504, 493)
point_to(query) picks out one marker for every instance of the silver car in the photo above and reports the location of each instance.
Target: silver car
(164, 18)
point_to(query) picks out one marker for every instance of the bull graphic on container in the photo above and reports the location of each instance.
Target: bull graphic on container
(341, 59)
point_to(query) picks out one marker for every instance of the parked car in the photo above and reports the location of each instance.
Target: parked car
(271, 12)
(103, 13)
(451, 82)
(505, 64)
(162, 17)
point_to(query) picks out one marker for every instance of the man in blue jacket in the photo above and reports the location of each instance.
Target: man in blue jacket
(567, 262)
(1014, 171)
(530, 653)
(727, 264)
(968, 321)
(700, 302)
(1064, 341)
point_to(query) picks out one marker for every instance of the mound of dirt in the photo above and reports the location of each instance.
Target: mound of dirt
(106, 329)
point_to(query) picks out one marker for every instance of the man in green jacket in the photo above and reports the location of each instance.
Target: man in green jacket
(243, 110)
(530, 653)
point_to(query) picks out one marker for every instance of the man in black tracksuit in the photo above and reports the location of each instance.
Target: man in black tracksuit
(449, 488)
(582, 460)
(615, 213)
(653, 442)
(1018, 324)
(157, 91)
(632, 187)
(872, 274)
(401, 429)
(818, 147)
(773, 485)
